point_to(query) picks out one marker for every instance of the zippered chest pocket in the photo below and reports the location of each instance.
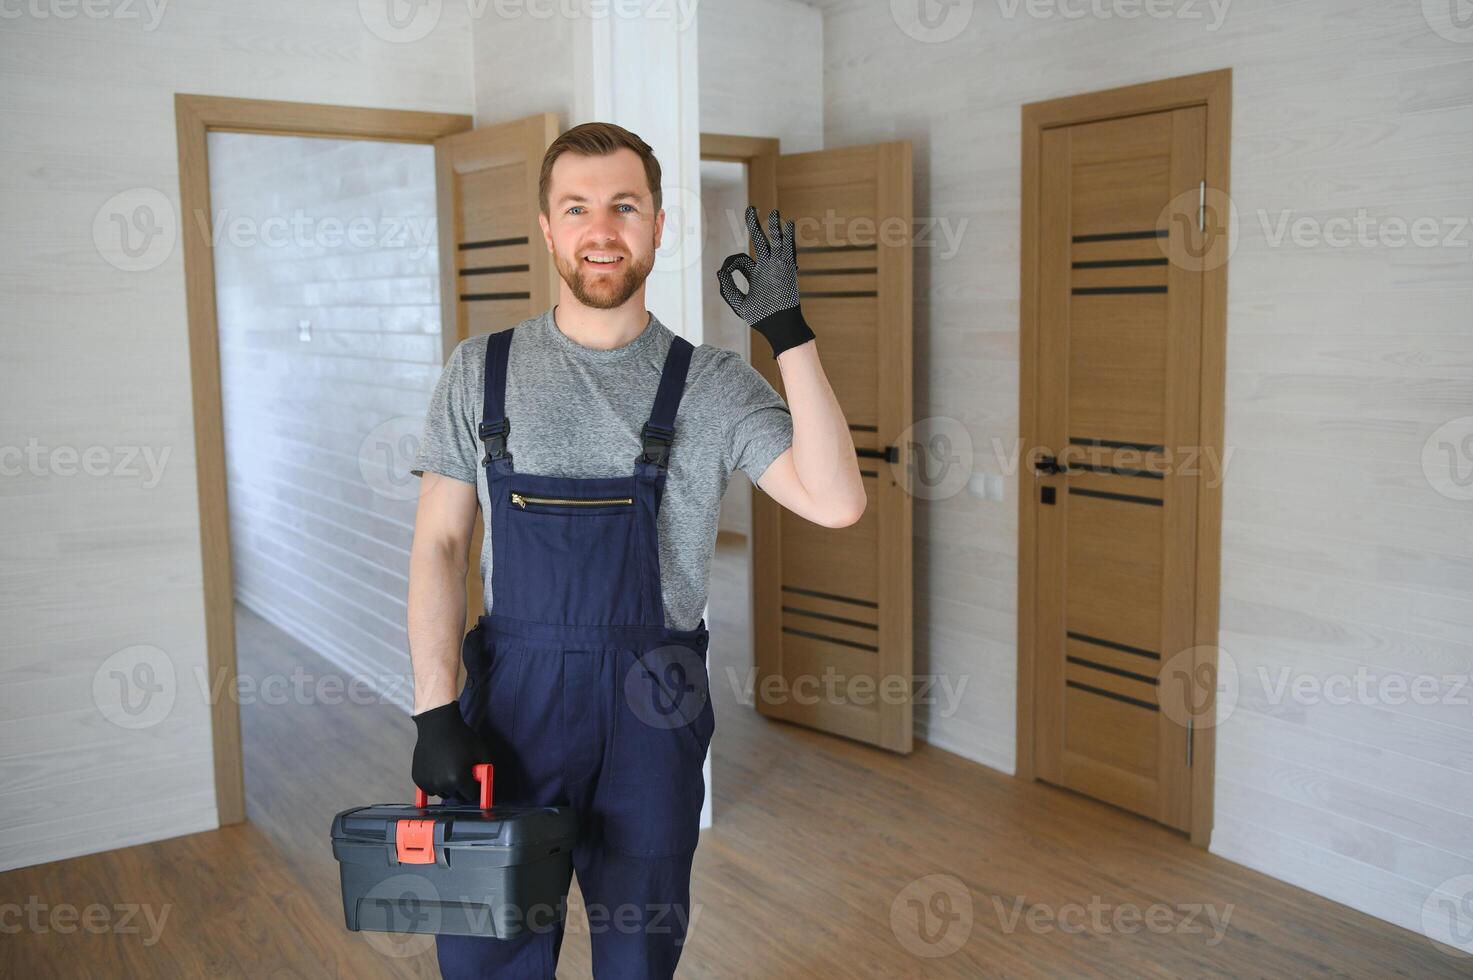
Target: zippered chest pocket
(571, 505)
(574, 556)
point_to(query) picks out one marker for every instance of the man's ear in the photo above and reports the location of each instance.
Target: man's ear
(659, 227)
(546, 230)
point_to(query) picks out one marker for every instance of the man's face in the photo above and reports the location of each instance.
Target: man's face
(600, 207)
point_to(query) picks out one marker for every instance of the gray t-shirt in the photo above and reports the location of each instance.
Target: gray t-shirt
(577, 412)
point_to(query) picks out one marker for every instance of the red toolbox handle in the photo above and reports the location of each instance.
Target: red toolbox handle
(483, 772)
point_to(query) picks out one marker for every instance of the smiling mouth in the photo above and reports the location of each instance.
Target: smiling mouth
(618, 261)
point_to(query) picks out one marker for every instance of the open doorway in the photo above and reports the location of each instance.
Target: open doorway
(328, 312)
(724, 196)
(294, 276)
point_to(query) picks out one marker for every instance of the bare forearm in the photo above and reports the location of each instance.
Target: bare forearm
(435, 619)
(823, 449)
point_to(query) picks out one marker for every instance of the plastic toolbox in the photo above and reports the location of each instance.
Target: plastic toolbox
(457, 870)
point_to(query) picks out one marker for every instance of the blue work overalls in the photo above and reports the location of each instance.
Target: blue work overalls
(586, 697)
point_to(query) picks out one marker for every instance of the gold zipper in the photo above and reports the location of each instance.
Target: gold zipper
(522, 500)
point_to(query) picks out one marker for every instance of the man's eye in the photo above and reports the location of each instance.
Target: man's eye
(574, 207)
(630, 206)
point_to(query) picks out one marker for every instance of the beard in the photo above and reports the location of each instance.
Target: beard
(603, 290)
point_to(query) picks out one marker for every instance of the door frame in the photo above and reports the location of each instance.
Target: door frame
(1213, 90)
(195, 116)
(763, 547)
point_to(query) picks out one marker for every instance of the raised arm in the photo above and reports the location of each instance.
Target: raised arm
(818, 478)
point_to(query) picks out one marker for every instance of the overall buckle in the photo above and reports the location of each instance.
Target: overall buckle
(656, 440)
(494, 434)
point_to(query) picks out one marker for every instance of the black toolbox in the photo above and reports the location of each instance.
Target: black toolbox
(454, 870)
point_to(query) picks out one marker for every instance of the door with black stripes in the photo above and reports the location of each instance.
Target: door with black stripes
(1116, 399)
(491, 275)
(832, 607)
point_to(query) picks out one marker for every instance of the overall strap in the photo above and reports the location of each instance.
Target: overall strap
(495, 426)
(659, 431)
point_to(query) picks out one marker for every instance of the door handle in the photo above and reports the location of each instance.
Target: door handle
(1049, 465)
(890, 454)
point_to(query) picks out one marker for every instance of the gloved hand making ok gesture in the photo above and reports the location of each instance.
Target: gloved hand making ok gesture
(770, 304)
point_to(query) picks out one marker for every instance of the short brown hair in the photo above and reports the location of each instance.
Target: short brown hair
(598, 139)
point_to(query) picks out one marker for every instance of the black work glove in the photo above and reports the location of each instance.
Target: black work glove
(445, 751)
(770, 304)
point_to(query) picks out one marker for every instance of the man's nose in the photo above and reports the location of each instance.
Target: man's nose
(604, 229)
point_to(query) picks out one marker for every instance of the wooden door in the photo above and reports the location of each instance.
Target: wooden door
(832, 607)
(495, 270)
(1117, 400)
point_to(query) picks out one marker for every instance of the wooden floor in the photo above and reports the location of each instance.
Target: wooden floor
(818, 866)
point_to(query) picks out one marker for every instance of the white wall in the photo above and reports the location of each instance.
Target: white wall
(1337, 554)
(761, 75)
(320, 423)
(762, 71)
(97, 355)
